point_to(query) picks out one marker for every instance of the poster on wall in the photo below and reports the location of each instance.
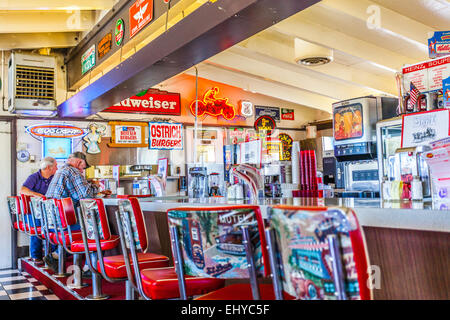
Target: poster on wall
(272, 112)
(128, 134)
(424, 127)
(439, 44)
(165, 136)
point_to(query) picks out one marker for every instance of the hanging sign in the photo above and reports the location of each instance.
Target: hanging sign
(286, 144)
(424, 127)
(273, 112)
(439, 44)
(104, 45)
(287, 114)
(427, 76)
(128, 134)
(119, 32)
(213, 105)
(265, 124)
(166, 136)
(141, 13)
(88, 59)
(153, 101)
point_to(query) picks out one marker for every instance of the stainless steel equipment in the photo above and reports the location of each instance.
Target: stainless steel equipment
(354, 131)
(198, 182)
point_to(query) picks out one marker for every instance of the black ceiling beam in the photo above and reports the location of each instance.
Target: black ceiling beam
(209, 30)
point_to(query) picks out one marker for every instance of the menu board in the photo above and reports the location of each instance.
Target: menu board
(427, 76)
(348, 122)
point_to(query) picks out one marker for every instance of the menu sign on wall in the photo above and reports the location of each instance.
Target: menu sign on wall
(424, 127)
(152, 102)
(427, 76)
(166, 136)
(88, 60)
(141, 13)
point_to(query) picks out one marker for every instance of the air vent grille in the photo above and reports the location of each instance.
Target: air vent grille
(35, 82)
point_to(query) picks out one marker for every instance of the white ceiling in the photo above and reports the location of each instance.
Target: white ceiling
(366, 56)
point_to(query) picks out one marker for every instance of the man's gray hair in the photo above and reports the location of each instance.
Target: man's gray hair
(47, 162)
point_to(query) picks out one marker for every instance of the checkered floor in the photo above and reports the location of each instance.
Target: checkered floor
(16, 285)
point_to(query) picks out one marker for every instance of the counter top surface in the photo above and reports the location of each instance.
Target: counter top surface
(425, 216)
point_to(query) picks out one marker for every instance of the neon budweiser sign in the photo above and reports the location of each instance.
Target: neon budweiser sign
(153, 101)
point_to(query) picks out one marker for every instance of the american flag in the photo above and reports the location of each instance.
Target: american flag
(414, 94)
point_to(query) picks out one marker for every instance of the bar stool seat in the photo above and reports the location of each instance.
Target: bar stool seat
(162, 283)
(239, 291)
(76, 236)
(111, 243)
(115, 265)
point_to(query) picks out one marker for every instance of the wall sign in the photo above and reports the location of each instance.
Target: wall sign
(40, 131)
(246, 108)
(287, 114)
(88, 59)
(265, 125)
(119, 32)
(286, 144)
(446, 91)
(104, 45)
(94, 137)
(23, 155)
(439, 44)
(152, 102)
(165, 136)
(273, 112)
(427, 76)
(424, 127)
(128, 134)
(141, 13)
(213, 105)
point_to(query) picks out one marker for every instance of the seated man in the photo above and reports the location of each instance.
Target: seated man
(37, 185)
(69, 182)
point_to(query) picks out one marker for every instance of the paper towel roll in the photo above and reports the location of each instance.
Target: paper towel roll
(295, 163)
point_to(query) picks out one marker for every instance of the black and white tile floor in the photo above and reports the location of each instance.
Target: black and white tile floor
(16, 285)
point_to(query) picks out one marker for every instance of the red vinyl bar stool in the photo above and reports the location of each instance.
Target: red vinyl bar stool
(15, 214)
(115, 268)
(317, 254)
(94, 226)
(221, 243)
(51, 216)
(152, 283)
(35, 206)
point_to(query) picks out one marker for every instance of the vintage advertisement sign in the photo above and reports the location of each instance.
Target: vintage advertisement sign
(286, 144)
(119, 32)
(446, 91)
(141, 13)
(40, 131)
(427, 76)
(272, 112)
(128, 134)
(166, 136)
(265, 124)
(439, 44)
(246, 108)
(104, 45)
(88, 59)
(287, 114)
(152, 102)
(424, 127)
(213, 105)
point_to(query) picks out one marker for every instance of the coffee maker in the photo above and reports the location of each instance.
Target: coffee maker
(355, 150)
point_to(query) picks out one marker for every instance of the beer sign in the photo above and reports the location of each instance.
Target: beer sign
(165, 136)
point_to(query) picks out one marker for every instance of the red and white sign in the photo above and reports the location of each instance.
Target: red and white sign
(153, 102)
(427, 76)
(141, 13)
(166, 136)
(128, 134)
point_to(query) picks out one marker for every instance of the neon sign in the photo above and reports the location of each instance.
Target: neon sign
(55, 131)
(213, 106)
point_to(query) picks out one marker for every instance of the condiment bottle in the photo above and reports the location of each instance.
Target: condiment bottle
(386, 189)
(416, 189)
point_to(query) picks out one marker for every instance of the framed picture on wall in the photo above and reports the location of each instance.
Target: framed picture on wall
(163, 164)
(58, 148)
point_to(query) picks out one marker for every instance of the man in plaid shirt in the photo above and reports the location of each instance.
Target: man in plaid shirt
(69, 181)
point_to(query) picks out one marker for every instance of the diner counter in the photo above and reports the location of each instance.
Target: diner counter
(423, 216)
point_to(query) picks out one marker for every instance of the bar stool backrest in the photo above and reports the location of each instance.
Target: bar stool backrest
(95, 206)
(304, 254)
(211, 240)
(50, 210)
(25, 203)
(67, 212)
(14, 210)
(130, 207)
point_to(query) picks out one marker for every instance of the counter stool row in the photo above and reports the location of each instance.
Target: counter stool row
(300, 252)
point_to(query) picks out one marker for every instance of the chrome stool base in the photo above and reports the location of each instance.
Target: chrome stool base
(92, 297)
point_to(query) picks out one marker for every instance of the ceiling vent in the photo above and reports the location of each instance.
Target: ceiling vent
(31, 84)
(310, 54)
